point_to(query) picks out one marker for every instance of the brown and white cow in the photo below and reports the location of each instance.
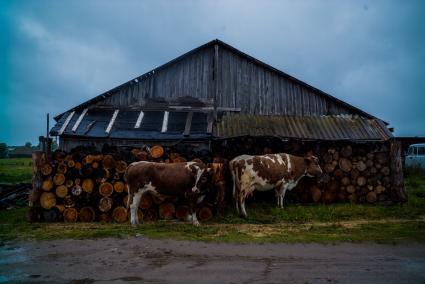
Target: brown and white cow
(185, 180)
(280, 171)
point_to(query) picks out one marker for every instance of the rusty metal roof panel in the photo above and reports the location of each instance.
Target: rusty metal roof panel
(303, 127)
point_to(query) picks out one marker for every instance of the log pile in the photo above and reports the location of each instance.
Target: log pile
(354, 174)
(84, 186)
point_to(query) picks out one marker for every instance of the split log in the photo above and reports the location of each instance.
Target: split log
(61, 191)
(385, 171)
(125, 200)
(345, 181)
(371, 197)
(60, 208)
(121, 166)
(119, 214)
(179, 160)
(69, 183)
(325, 178)
(361, 166)
(109, 162)
(350, 189)
(346, 151)
(382, 158)
(47, 200)
(46, 169)
(88, 159)
(69, 201)
(369, 163)
(47, 184)
(104, 218)
(345, 165)
(145, 201)
(62, 168)
(354, 174)
(204, 213)
(70, 215)
(182, 212)
(327, 158)
(361, 181)
(95, 165)
(379, 189)
(167, 210)
(106, 189)
(157, 151)
(87, 185)
(76, 190)
(329, 168)
(78, 166)
(316, 194)
(142, 156)
(105, 204)
(70, 164)
(87, 214)
(119, 186)
(59, 179)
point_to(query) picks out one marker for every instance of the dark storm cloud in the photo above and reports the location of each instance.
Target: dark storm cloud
(56, 54)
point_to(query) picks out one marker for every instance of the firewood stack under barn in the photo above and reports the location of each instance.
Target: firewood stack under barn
(354, 174)
(87, 187)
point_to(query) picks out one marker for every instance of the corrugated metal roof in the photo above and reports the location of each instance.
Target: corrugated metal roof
(305, 127)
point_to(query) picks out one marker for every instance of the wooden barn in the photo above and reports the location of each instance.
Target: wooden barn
(218, 99)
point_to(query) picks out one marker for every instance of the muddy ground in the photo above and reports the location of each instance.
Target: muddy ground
(138, 259)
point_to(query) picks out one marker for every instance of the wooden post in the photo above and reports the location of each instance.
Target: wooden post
(398, 192)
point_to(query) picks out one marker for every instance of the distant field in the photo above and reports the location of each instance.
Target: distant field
(15, 170)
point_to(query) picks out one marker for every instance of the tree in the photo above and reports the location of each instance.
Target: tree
(3, 150)
(28, 144)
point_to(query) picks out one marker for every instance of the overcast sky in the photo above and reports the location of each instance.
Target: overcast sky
(57, 54)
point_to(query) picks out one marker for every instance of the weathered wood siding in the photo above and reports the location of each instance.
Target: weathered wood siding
(240, 82)
(191, 76)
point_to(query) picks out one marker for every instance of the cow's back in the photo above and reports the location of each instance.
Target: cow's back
(168, 179)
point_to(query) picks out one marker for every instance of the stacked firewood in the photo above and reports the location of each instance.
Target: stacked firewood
(91, 187)
(350, 174)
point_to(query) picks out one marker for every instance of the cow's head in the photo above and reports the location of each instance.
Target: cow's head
(312, 166)
(202, 176)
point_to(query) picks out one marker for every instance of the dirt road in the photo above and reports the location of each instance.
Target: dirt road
(138, 259)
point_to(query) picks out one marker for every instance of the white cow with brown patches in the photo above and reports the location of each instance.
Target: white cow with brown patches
(281, 172)
(185, 180)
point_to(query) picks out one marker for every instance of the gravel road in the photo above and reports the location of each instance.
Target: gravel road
(137, 259)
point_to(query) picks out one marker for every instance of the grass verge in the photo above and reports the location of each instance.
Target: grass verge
(15, 170)
(295, 223)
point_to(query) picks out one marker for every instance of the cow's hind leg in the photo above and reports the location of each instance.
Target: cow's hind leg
(134, 217)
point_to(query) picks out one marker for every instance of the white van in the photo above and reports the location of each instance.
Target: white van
(415, 156)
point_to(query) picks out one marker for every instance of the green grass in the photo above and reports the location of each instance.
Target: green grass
(266, 223)
(15, 170)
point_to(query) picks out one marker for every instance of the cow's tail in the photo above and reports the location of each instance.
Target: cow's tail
(234, 177)
(129, 199)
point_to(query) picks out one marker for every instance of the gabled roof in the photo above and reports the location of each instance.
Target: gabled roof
(232, 49)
